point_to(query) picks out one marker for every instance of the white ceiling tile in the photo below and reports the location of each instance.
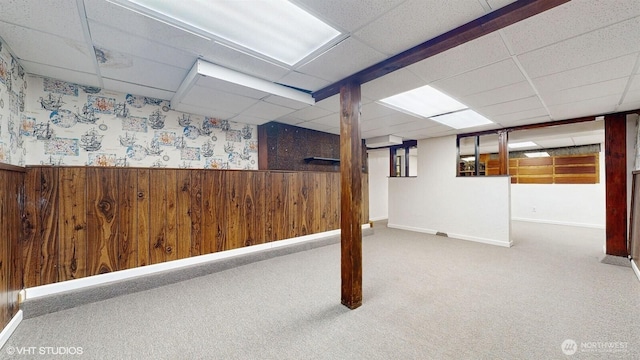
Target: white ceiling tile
(291, 104)
(532, 102)
(239, 61)
(507, 119)
(114, 39)
(585, 108)
(348, 15)
(333, 130)
(332, 120)
(497, 4)
(590, 74)
(590, 48)
(418, 124)
(342, 60)
(37, 15)
(477, 53)
(303, 81)
(246, 119)
(592, 91)
(416, 21)
(39, 47)
(386, 121)
(374, 110)
(633, 96)
(391, 84)
(527, 121)
(217, 100)
(568, 20)
(267, 111)
(331, 103)
(373, 133)
(217, 84)
(503, 94)
(308, 114)
(143, 72)
(198, 110)
(486, 78)
(126, 87)
(72, 76)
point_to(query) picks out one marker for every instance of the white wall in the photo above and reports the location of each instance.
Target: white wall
(476, 209)
(378, 184)
(563, 204)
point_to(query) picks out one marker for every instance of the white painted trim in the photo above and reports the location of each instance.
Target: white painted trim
(635, 269)
(10, 328)
(55, 288)
(553, 222)
(379, 218)
(454, 236)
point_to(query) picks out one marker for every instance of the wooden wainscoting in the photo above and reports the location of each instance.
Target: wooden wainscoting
(83, 221)
(11, 202)
(560, 169)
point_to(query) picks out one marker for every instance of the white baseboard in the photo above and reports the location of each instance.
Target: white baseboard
(10, 328)
(454, 236)
(635, 269)
(554, 222)
(55, 288)
(379, 218)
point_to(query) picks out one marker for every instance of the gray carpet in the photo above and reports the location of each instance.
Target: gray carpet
(425, 297)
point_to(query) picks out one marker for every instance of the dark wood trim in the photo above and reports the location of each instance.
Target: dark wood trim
(615, 152)
(9, 167)
(351, 195)
(263, 148)
(503, 152)
(496, 20)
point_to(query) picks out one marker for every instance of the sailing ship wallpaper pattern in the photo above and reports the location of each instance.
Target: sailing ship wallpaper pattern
(70, 124)
(13, 86)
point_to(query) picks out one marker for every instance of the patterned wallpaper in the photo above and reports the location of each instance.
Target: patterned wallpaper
(70, 124)
(13, 87)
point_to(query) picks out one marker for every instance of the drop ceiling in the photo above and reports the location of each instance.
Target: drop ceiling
(578, 59)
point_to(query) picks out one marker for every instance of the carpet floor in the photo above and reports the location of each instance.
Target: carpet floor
(425, 297)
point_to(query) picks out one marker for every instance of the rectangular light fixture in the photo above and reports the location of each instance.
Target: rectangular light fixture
(469, 158)
(276, 29)
(537, 154)
(520, 145)
(462, 119)
(206, 69)
(424, 102)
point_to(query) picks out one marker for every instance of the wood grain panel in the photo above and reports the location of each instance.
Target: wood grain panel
(73, 224)
(15, 188)
(575, 169)
(535, 170)
(171, 235)
(128, 219)
(575, 180)
(102, 220)
(5, 252)
(535, 161)
(615, 145)
(576, 160)
(31, 240)
(196, 212)
(158, 215)
(48, 224)
(535, 179)
(143, 219)
(234, 207)
(183, 214)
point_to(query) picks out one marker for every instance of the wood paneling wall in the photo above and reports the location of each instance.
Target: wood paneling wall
(11, 202)
(560, 169)
(83, 221)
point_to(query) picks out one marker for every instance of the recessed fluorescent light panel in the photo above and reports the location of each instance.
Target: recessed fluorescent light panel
(276, 29)
(462, 119)
(469, 158)
(520, 145)
(537, 154)
(424, 102)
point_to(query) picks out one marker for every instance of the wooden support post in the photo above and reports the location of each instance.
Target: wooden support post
(351, 195)
(503, 152)
(615, 163)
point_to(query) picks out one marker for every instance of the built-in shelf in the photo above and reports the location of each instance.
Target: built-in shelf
(318, 158)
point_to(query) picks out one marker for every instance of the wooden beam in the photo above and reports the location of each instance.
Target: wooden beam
(351, 195)
(503, 152)
(615, 163)
(484, 25)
